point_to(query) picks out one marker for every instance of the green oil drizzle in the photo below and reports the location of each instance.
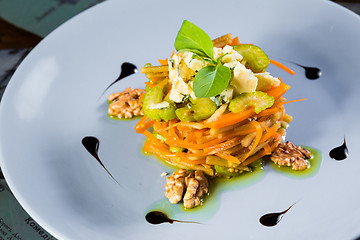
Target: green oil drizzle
(315, 162)
(210, 202)
(124, 119)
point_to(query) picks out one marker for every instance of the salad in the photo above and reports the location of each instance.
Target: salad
(212, 109)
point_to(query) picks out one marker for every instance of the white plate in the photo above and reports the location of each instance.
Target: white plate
(52, 102)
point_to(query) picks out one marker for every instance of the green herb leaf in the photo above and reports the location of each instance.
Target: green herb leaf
(192, 38)
(211, 81)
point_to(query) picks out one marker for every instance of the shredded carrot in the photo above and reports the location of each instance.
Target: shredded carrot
(164, 153)
(162, 83)
(144, 126)
(173, 53)
(197, 161)
(141, 122)
(257, 138)
(297, 100)
(269, 133)
(160, 145)
(150, 84)
(163, 61)
(197, 154)
(219, 135)
(239, 133)
(267, 112)
(185, 144)
(235, 41)
(223, 146)
(267, 149)
(283, 67)
(253, 158)
(190, 138)
(230, 119)
(278, 91)
(198, 134)
(148, 134)
(282, 109)
(173, 134)
(158, 125)
(262, 153)
(228, 157)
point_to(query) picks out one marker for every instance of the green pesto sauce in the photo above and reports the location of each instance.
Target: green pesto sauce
(210, 202)
(315, 162)
(124, 119)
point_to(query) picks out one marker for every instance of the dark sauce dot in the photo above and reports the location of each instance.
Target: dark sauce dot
(91, 144)
(157, 217)
(339, 153)
(127, 69)
(272, 219)
(312, 73)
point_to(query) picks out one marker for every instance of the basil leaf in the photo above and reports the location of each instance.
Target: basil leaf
(211, 81)
(192, 38)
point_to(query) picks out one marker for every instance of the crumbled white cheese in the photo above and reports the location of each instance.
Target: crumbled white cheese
(231, 64)
(179, 89)
(227, 94)
(243, 79)
(187, 56)
(196, 64)
(161, 105)
(217, 52)
(266, 81)
(192, 62)
(174, 69)
(231, 55)
(224, 97)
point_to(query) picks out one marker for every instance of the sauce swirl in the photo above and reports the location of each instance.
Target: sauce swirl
(311, 73)
(127, 69)
(272, 219)
(157, 217)
(91, 144)
(339, 153)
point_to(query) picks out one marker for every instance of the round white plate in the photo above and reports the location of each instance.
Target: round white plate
(54, 100)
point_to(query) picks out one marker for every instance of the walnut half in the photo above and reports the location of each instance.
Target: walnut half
(175, 186)
(287, 154)
(194, 184)
(126, 104)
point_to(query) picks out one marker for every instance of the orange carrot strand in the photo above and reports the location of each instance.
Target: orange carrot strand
(235, 41)
(163, 61)
(257, 138)
(228, 157)
(140, 123)
(282, 66)
(297, 100)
